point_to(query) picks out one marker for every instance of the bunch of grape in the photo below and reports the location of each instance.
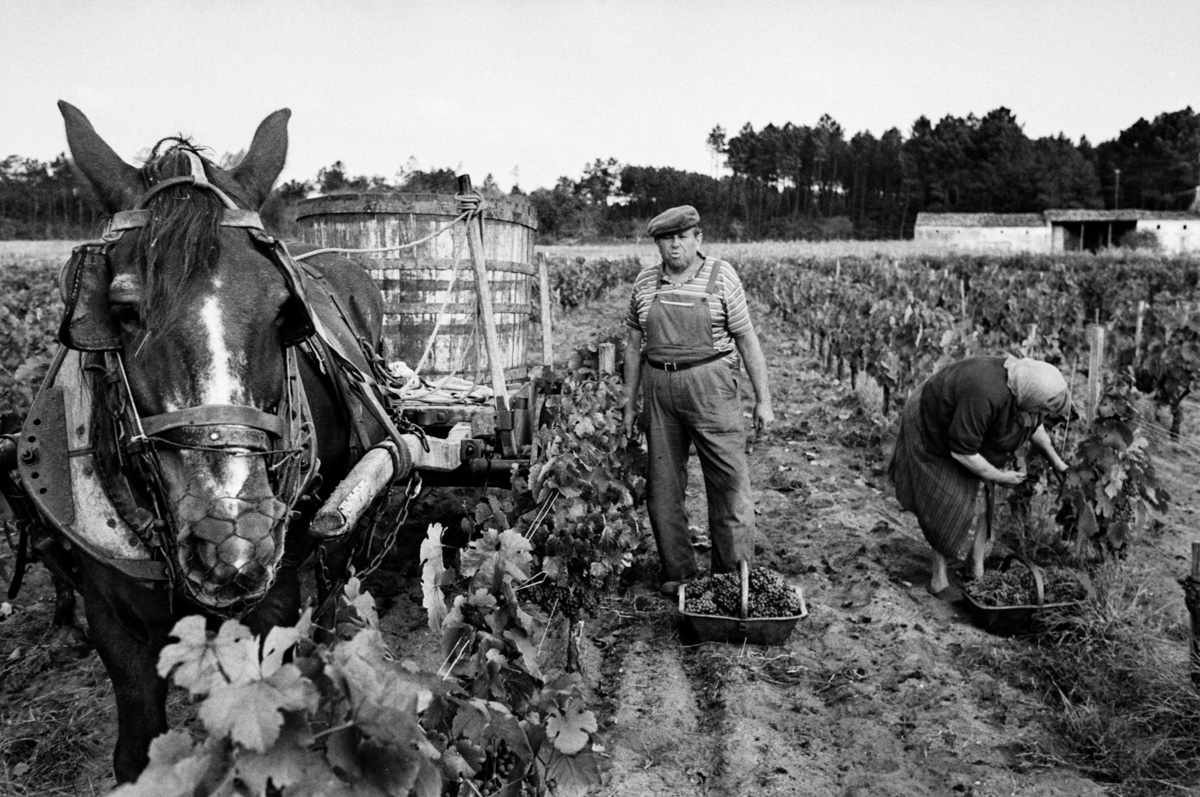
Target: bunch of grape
(769, 595)
(1010, 588)
(717, 594)
(550, 597)
(501, 765)
(1062, 585)
(701, 599)
(1016, 587)
(1123, 511)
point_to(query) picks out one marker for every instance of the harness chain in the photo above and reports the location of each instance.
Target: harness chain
(364, 532)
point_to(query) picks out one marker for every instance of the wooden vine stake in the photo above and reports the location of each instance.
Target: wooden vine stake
(574, 661)
(1191, 596)
(547, 331)
(491, 337)
(1095, 370)
(1137, 334)
(607, 358)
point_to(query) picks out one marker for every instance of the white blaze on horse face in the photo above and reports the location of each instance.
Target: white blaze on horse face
(221, 386)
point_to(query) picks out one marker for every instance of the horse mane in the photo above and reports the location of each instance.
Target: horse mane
(181, 241)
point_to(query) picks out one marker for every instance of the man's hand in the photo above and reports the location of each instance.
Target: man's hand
(632, 432)
(764, 416)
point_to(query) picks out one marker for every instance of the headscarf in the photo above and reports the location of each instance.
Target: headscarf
(1038, 386)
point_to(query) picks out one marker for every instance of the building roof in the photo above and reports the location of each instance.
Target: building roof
(980, 220)
(1132, 214)
(926, 220)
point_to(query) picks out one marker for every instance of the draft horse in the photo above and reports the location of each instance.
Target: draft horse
(210, 393)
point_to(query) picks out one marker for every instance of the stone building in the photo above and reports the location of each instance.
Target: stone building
(985, 232)
(1178, 232)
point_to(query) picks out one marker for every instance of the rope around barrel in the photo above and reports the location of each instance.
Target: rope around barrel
(469, 205)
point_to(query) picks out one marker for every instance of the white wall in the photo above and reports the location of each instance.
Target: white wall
(1175, 236)
(988, 239)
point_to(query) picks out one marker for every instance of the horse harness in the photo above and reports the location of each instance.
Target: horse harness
(129, 442)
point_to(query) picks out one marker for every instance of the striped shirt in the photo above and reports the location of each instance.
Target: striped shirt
(730, 317)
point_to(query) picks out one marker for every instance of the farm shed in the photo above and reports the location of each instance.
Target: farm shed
(1178, 232)
(986, 232)
(1078, 230)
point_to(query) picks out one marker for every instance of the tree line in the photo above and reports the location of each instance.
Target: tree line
(779, 182)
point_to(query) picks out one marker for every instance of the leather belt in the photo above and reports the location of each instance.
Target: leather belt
(665, 366)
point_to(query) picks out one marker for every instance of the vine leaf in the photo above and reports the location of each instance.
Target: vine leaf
(432, 576)
(383, 696)
(462, 760)
(478, 559)
(573, 776)
(363, 603)
(178, 767)
(285, 764)
(200, 664)
(280, 640)
(251, 714)
(569, 730)
(399, 769)
(471, 719)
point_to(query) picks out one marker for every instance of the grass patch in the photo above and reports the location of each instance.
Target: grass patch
(50, 254)
(1116, 677)
(51, 741)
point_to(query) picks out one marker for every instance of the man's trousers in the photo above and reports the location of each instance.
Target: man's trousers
(700, 405)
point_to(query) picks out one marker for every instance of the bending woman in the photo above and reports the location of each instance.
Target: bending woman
(961, 427)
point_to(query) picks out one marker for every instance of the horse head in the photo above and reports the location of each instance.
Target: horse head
(191, 309)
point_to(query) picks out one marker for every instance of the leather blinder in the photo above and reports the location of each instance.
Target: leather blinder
(87, 322)
(297, 325)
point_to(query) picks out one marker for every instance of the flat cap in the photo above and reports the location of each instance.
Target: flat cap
(672, 221)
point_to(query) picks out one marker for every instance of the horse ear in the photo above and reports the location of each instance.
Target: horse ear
(264, 161)
(116, 182)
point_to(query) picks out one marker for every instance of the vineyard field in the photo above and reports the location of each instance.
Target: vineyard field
(883, 689)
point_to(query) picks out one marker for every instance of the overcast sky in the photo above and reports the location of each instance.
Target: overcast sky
(536, 89)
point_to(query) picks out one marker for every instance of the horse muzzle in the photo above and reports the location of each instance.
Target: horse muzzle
(229, 547)
(230, 525)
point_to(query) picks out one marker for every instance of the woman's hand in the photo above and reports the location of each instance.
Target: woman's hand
(1010, 478)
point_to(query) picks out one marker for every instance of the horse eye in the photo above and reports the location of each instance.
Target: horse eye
(126, 314)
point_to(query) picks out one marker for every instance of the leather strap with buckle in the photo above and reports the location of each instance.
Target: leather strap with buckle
(667, 366)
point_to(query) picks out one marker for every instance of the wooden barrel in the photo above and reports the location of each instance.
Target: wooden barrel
(437, 277)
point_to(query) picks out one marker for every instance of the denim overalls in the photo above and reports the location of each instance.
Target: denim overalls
(690, 395)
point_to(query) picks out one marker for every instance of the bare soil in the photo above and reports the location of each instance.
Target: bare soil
(876, 692)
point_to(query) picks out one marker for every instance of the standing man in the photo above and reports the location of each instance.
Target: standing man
(690, 313)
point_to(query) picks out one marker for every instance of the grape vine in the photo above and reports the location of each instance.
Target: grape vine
(290, 717)
(1112, 493)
